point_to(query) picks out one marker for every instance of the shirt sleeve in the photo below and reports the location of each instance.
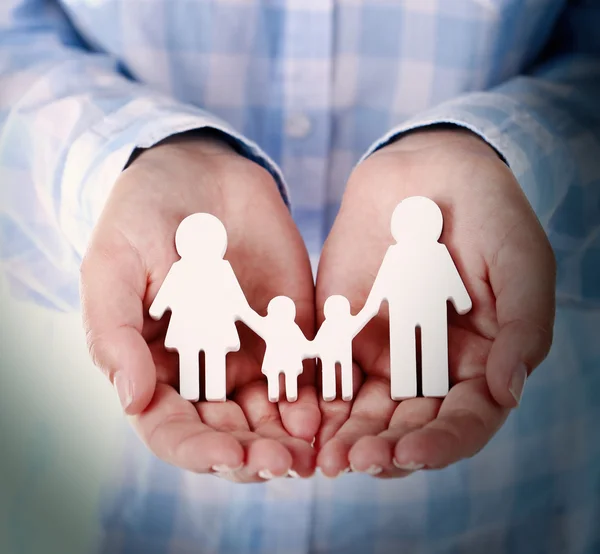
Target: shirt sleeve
(70, 119)
(546, 125)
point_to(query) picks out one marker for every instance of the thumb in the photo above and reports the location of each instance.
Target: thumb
(113, 285)
(523, 281)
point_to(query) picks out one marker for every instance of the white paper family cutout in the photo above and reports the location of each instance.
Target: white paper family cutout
(417, 277)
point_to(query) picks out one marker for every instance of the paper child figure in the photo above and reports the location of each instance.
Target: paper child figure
(417, 278)
(333, 345)
(205, 299)
(286, 348)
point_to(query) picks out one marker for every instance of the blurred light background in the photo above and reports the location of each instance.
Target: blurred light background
(61, 431)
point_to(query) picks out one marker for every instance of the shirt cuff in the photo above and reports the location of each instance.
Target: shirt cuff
(96, 159)
(534, 154)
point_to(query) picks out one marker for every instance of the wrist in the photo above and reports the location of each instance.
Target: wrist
(196, 142)
(442, 135)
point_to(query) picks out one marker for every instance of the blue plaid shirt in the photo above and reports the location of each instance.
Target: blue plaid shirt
(307, 88)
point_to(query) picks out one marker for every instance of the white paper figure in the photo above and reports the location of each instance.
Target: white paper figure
(205, 299)
(333, 345)
(417, 278)
(286, 348)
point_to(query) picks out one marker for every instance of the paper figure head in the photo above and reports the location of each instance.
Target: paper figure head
(283, 308)
(417, 218)
(336, 306)
(201, 236)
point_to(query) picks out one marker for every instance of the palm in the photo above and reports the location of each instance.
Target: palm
(137, 230)
(484, 211)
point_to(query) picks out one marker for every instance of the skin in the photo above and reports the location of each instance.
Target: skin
(129, 255)
(493, 236)
(508, 268)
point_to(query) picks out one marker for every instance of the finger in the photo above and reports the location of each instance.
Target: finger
(468, 418)
(269, 457)
(171, 427)
(113, 284)
(375, 454)
(265, 459)
(336, 412)
(259, 455)
(165, 362)
(371, 412)
(468, 353)
(229, 417)
(523, 279)
(302, 418)
(303, 456)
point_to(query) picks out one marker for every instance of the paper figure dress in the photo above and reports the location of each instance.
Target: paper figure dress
(286, 348)
(205, 300)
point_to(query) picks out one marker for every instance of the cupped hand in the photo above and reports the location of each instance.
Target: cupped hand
(507, 265)
(247, 438)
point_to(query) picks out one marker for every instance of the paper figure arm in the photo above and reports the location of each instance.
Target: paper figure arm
(245, 312)
(308, 347)
(457, 292)
(377, 295)
(251, 318)
(360, 320)
(163, 296)
(311, 348)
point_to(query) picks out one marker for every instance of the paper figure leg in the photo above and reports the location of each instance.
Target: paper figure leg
(189, 375)
(403, 359)
(434, 357)
(291, 386)
(328, 380)
(273, 386)
(215, 378)
(347, 384)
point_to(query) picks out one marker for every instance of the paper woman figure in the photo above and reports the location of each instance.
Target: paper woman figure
(205, 300)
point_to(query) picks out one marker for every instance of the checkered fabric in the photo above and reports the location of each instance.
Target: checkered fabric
(307, 88)
(534, 489)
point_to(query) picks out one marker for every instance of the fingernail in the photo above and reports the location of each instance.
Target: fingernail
(374, 470)
(333, 476)
(266, 474)
(343, 472)
(293, 474)
(517, 382)
(225, 468)
(124, 389)
(410, 466)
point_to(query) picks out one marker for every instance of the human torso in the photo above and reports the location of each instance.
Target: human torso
(316, 82)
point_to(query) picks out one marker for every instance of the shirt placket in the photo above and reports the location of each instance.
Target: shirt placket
(306, 103)
(305, 143)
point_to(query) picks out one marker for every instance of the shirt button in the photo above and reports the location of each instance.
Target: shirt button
(297, 125)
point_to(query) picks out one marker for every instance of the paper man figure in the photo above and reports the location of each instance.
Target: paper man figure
(417, 278)
(333, 345)
(205, 299)
(286, 348)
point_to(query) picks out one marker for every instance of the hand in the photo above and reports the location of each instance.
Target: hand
(508, 267)
(129, 255)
